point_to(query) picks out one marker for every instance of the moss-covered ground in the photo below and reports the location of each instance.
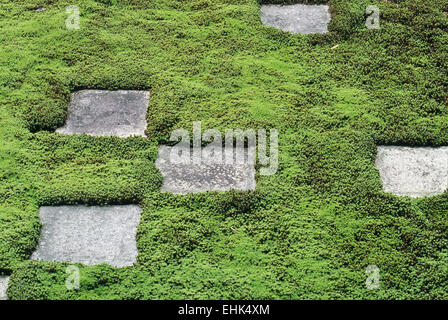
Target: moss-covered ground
(307, 232)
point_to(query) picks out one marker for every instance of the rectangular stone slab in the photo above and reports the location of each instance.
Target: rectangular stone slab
(206, 176)
(3, 287)
(296, 18)
(89, 235)
(119, 113)
(413, 171)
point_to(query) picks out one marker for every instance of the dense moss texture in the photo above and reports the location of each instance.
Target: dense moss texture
(309, 231)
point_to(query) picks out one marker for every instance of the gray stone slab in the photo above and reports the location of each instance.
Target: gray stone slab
(89, 235)
(119, 113)
(297, 18)
(208, 175)
(3, 287)
(414, 172)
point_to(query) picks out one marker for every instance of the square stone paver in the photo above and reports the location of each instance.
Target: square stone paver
(413, 171)
(89, 235)
(3, 287)
(297, 18)
(205, 176)
(119, 113)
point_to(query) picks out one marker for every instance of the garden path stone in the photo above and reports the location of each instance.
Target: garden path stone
(89, 235)
(119, 113)
(413, 171)
(3, 287)
(205, 176)
(297, 18)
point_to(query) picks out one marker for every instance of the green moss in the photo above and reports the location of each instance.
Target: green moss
(310, 230)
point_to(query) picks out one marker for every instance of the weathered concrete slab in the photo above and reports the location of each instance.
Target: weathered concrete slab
(297, 18)
(3, 287)
(415, 172)
(119, 113)
(89, 235)
(208, 175)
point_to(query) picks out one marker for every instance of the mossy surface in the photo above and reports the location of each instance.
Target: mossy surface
(307, 232)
